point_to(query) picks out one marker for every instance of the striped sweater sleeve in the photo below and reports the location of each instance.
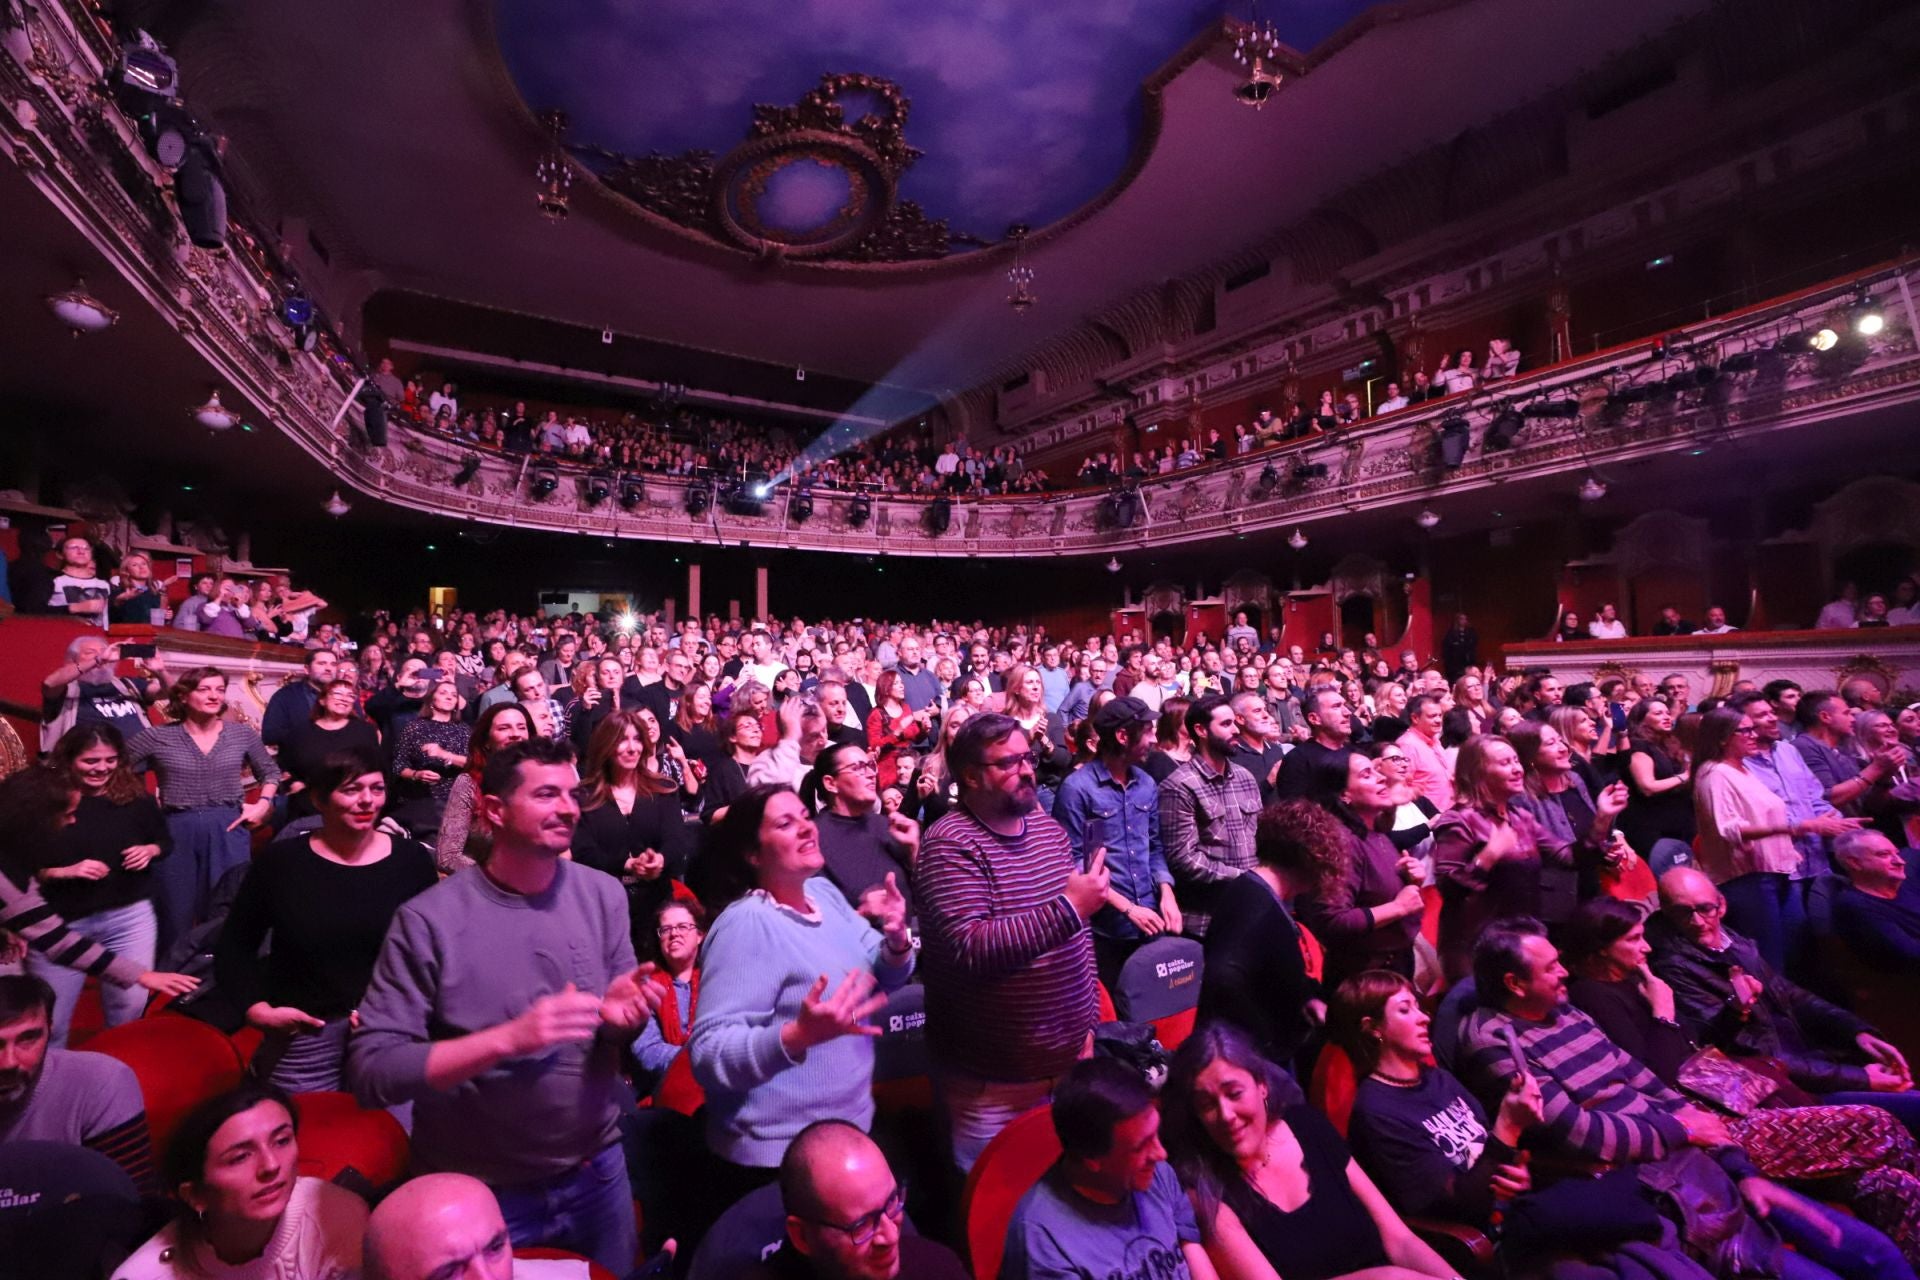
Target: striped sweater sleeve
(130, 1146)
(956, 897)
(26, 913)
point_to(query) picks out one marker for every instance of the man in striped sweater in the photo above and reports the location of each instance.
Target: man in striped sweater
(1601, 1104)
(55, 1095)
(1007, 956)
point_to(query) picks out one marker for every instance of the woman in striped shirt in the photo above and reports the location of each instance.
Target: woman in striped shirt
(201, 761)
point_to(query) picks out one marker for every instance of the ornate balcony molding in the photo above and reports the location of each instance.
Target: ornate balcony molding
(78, 151)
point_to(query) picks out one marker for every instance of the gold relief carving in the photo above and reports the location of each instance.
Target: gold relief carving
(1724, 673)
(1867, 666)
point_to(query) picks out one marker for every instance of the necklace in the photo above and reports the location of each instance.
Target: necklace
(1404, 1082)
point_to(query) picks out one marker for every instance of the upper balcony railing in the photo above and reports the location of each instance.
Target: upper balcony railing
(1740, 375)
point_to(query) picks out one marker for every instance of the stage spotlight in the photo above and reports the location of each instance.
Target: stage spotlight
(1501, 432)
(859, 510)
(1551, 409)
(373, 415)
(468, 470)
(762, 490)
(939, 517)
(543, 481)
(1864, 317)
(202, 195)
(599, 488)
(1266, 482)
(1303, 472)
(1741, 362)
(1454, 438)
(633, 492)
(699, 497)
(801, 508)
(297, 311)
(146, 72)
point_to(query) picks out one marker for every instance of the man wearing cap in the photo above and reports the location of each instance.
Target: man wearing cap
(1112, 802)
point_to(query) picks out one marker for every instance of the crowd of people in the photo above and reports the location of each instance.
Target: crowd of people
(1850, 609)
(543, 885)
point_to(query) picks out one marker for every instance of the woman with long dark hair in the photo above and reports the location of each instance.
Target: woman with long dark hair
(782, 1038)
(694, 726)
(244, 1210)
(894, 727)
(1367, 914)
(432, 752)
(34, 805)
(742, 735)
(630, 825)
(96, 871)
(1660, 779)
(325, 899)
(202, 760)
(462, 840)
(1246, 1143)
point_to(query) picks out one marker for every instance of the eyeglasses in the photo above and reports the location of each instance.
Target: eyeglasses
(1028, 758)
(1747, 731)
(858, 766)
(1391, 760)
(863, 1228)
(676, 930)
(1688, 910)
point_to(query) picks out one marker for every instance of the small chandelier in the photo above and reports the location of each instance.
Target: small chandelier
(1297, 539)
(335, 505)
(1020, 275)
(80, 311)
(1592, 489)
(554, 173)
(1427, 518)
(213, 415)
(1256, 48)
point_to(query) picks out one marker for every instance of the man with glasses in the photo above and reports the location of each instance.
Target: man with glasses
(1007, 955)
(1729, 996)
(861, 845)
(845, 1213)
(1779, 765)
(1111, 1206)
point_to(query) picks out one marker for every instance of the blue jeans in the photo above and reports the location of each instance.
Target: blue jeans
(184, 877)
(128, 931)
(1862, 1254)
(588, 1210)
(1905, 1105)
(1768, 908)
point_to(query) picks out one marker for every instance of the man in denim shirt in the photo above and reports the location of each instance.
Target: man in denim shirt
(1113, 803)
(1784, 770)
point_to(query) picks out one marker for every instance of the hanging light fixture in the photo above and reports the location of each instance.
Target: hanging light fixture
(215, 416)
(1113, 564)
(1297, 540)
(80, 311)
(335, 505)
(1020, 275)
(554, 173)
(1256, 48)
(1592, 489)
(1427, 518)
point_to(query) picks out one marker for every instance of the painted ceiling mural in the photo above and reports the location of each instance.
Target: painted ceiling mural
(860, 130)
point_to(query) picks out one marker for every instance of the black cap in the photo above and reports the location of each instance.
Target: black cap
(1121, 713)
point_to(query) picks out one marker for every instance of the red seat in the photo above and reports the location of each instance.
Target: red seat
(1107, 1012)
(1312, 954)
(1172, 1030)
(1333, 1086)
(594, 1270)
(338, 1134)
(1018, 1157)
(179, 1062)
(1430, 913)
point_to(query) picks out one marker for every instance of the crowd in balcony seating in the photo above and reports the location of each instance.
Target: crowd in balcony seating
(1569, 944)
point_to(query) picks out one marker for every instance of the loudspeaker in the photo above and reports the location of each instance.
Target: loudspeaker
(203, 198)
(374, 419)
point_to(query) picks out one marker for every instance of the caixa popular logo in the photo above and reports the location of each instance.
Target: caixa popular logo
(906, 1022)
(1172, 969)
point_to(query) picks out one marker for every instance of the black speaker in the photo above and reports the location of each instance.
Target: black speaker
(939, 516)
(203, 197)
(374, 418)
(1454, 439)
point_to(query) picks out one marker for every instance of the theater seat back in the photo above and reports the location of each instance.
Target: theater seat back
(900, 1050)
(1161, 978)
(750, 1229)
(539, 1253)
(342, 1142)
(1018, 1157)
(1333, 1086)
(179, 1063)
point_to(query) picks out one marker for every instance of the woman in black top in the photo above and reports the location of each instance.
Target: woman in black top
(432, 752)
(695, 728)
(94, 871)
(1364, 903)
(1659, 777)
(1255, 975)
(335, 726)
(727, 779)
(630, 825)
(327, 899)
(1274, 1187)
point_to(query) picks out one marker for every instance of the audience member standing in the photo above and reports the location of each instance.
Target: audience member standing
(630, 824)
(499, 1006)
(1009, 958)
(201, 761)
(463, 835)
(1208, 807)
(336, 725)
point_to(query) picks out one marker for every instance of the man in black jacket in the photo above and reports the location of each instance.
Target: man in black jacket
(1728, 995)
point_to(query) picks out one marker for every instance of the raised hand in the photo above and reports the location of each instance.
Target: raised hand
(890, 906)
(631, 999)
(905, 832)
(1611, 802)
(1087, 890)
(1520, 1110)
(826, 1017)
(568, 1016)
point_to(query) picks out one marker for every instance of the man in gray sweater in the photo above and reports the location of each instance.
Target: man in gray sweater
(499, 1006)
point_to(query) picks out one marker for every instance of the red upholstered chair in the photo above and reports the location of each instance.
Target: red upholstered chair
(179, 1062)
(1107, 1012)
(1334, 1084)
(1430, 914)
(594, 1270)
(1312, 953)
(341, 1141)
(1016, 1159)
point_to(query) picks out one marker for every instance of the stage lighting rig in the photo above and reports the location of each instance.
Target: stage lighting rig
(599, 488)
(633, 492)
(860, 510)
(1455, 435)
(1501, 431)
(542, 482)
(469, 468)
(939, 516)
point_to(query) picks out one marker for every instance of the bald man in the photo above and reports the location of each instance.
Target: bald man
(448, 1226)
(844, 1215)
(1729, 996)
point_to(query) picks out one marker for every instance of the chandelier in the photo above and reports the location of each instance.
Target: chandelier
(1020, 275)
(554, 173)
(1256, 48)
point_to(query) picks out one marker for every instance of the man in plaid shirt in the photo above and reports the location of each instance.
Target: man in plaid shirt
(1208, 809)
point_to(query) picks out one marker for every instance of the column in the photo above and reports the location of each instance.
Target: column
(760, 613)
(693, 592)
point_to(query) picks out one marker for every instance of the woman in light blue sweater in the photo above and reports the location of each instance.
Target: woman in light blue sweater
(775, 1048)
